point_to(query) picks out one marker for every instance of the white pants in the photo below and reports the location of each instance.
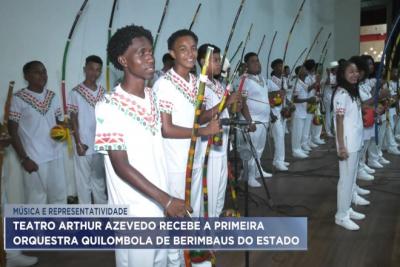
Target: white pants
(259, 139)
(90, 179)
(142, 257)
(316, 132)
(12, 186)
(217, 179)
(47, 185)
(70, 173)
(375, 151)
(345, 188)
(397, 126)
(328, 113)
(278, 134)
(389, 141)
(13, 178)
(363, 154)
(176, 187)
(305, 139)
(392, 117)
(298, 125)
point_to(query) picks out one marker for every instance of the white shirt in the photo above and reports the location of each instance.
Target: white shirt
(36, 114)
(257, 89)
(328, 89)
(344, 105)
(309, 80)
(132, 124)
(301, 92)
(178, 98)
(157, 75)
(82, 101)
(393, 88)
(212, 97)
(365, 90)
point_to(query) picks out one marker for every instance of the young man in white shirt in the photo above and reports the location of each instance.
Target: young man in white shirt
(89, 167)
(259, 110)
(217, 170)
(34, 111)
(277, 90)
(128, 132)
(300, 98)
(177, 92)
(313, 82)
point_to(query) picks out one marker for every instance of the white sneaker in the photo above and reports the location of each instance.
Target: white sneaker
(319, 142)
(363, 175)
(21, 260)
(266, 174)
(368, 169)
(330, 135)
(306, 147)
(254, 183)
(362, 191)
(383, 161)
(280, 166)
(347, 224)
(358, 200)
(356, 215)
(375, 164)
(394, 151)
(299, 155)
(307, 152)
(397, 137)
(287, 164)
(312, 145)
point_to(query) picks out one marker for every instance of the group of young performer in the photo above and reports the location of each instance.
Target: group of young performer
(131, 146)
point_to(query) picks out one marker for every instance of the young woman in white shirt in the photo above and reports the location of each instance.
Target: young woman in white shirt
(349, 131)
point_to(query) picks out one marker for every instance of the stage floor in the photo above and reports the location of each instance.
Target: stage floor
(308, 189)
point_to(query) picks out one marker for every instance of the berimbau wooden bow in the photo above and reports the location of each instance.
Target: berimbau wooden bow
(4, 135)
(269, 52)
(64, 64)
(193, 139)
(323, 52)
(395, 28)
(108, 83)
(297, 61)
(290, 35)
(309, 51)
(160, 25)
(313, 43)
(194, 17)
(236, 51)
(246, 41)
(262, 42)
(232, 31)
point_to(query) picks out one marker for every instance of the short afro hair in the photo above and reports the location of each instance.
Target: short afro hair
(276, 62)
(122, 39)
(202, 51)
(181, 33)
(167, 58)
(248, 56)
(29, 65)
(94, 59)
(309, 64)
